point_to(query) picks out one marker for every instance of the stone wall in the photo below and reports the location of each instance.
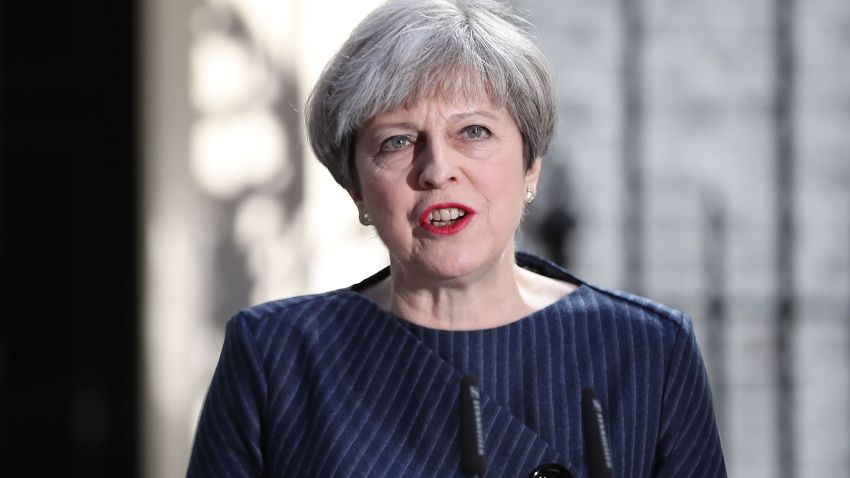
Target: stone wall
(703, 159)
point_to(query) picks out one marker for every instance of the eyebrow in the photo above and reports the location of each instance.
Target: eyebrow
(467, 114)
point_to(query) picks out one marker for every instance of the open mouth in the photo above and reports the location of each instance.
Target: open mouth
(446, 218)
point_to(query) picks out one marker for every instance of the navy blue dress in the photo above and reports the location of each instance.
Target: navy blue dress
(331, 385)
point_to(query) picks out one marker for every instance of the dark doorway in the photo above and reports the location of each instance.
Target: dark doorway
(68, 239)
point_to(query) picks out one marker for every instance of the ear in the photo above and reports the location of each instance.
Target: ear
(533, 174)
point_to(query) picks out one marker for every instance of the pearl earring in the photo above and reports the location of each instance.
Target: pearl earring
(365, 219)
(529, 197)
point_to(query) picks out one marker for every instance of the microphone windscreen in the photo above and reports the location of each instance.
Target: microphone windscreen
(472, 457)
(596, 447)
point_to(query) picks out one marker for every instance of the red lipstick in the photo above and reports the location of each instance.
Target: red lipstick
(449, 227)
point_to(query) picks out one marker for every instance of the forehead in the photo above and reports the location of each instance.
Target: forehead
(446, 83)
(441, 108)
(452, 84)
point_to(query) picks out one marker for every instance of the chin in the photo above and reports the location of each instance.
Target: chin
(449, 272)
(449, 266)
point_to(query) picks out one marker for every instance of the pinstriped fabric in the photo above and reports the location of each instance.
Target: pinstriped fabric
(331, 385)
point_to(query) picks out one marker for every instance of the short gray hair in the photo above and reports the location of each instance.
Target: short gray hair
(408, 50)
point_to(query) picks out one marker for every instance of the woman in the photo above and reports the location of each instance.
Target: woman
(435, 116)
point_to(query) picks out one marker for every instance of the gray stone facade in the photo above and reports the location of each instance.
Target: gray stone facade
(703, 159)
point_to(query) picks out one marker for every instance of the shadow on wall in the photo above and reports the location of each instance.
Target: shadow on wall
(245, 157)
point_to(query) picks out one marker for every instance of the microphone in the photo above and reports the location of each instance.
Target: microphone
(597, 449)
(472, 459)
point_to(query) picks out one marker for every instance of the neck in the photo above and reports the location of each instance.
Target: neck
(490, 298)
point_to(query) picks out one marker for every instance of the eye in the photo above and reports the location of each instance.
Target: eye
(476, 132)
(396, 143)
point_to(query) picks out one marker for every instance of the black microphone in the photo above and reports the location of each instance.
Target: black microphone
(472, 459)
(596, 447)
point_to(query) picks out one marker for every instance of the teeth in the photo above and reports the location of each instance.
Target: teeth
(445, 215)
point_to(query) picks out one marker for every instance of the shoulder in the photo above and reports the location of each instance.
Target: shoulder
(306, 315)
(636, 308)
(610, 307)
(627, 319)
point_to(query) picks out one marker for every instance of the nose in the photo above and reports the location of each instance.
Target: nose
(438, 166)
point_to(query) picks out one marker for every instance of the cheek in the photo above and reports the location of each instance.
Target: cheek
(382, 197)
(504, 191)
(505, 182)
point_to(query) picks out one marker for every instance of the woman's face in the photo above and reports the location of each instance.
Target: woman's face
(443, 184)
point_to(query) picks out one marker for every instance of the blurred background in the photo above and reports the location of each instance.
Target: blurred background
(155, 180)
